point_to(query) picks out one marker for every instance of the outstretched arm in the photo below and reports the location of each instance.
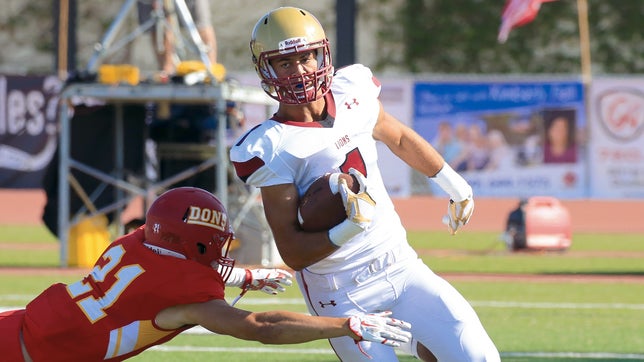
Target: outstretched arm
(283, 327)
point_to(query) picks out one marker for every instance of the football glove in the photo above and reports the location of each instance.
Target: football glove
(380, 328)
(269, 281)
(459, 213)
(461, 203)
(360, 208)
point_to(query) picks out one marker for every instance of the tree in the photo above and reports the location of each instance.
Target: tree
(459, 36)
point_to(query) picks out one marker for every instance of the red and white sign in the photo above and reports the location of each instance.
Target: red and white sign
(616, 147)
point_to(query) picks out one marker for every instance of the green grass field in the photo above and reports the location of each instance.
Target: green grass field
(546, 320)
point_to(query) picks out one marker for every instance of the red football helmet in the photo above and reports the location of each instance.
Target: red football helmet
(194, 223)
(284, 31)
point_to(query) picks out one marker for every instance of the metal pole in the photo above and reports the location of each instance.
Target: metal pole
(110, 35)
(119, 163)
(222, 147)
(345, 32)
(63, 187)
(584, 41)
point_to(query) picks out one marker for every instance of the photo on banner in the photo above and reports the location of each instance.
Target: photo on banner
(508, 139)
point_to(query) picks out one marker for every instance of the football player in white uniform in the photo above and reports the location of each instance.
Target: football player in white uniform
(327, 122)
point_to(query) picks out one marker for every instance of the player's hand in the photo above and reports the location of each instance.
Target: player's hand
(458, 214)
(360, 208)
(380, 328)
(269, 281)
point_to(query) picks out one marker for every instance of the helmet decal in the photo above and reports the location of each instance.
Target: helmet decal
(288, 44)
(207, 217)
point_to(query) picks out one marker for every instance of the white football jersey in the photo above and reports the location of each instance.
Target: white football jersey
(280, 151)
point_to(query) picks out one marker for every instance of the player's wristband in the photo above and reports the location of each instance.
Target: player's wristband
(343, 232)
(239, 277)
(454, 184)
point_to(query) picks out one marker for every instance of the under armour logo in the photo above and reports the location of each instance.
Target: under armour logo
(348, 105)
(331, 303)
(156, 228)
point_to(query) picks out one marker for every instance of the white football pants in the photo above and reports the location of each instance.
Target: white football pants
(400, 282)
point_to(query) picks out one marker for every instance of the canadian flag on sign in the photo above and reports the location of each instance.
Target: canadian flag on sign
(517, 13)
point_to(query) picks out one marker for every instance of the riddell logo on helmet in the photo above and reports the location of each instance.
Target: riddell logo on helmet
(292, 42)
(207, 217)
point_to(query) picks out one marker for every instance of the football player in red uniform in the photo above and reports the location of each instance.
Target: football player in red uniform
(329, 121)
(158, 281)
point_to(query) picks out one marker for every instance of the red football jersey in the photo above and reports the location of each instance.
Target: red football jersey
(109, 314)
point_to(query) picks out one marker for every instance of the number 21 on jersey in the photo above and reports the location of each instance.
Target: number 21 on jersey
(94, 308)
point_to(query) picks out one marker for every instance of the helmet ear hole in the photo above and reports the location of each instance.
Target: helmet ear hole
(202, 248)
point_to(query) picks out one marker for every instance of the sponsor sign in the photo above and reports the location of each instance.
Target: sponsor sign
(508, 138)
(616, 145)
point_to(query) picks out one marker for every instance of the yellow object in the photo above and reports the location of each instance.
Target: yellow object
(87, 241)
(234, 244)
(192, 66)
(118, 73)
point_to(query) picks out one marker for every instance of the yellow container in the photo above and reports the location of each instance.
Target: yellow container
(190, 66)
(87, 241)
(118, 73)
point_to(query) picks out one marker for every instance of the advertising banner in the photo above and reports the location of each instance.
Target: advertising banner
(616, 145)
(508, 138)
(28, 128)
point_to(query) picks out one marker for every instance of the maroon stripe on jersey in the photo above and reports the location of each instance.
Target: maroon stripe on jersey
(247, 168)
(375, 81)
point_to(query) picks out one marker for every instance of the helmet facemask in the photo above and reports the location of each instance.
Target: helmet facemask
(224, 264)
(301, 88)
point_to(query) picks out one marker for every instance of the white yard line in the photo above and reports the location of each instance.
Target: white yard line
(545, 355)
(481, 303)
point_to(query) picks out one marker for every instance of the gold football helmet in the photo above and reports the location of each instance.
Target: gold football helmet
(285, 31)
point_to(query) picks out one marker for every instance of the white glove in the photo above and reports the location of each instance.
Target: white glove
(380, 328)
(459, 213)
(269, 281)
(360, 208)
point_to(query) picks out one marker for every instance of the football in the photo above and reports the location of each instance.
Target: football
(319, 208)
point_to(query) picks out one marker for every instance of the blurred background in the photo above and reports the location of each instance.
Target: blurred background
(391, 36)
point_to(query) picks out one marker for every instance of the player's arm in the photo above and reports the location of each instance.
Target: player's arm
(410, 147)
(283, 327)
(297, 248)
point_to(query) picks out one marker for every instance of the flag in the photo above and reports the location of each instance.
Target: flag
(517, 13)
